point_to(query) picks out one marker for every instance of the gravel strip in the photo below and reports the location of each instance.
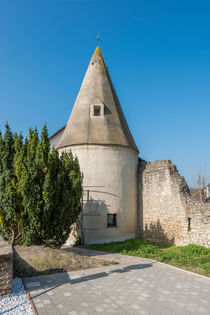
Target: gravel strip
(17, 302)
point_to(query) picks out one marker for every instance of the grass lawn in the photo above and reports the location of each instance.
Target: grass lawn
(191, 257)
(39, 260)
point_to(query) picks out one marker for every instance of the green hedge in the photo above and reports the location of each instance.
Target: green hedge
(40, 192)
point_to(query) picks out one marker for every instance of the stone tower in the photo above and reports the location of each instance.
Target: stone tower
(98, 134)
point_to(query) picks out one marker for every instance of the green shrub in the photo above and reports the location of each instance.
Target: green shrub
(39, 191)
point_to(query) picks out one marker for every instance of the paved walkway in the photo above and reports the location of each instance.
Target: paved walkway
(135, 286)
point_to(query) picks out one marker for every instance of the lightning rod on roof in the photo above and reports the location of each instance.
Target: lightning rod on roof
(98, 39)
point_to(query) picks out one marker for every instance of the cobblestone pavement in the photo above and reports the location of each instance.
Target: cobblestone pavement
(135, 286)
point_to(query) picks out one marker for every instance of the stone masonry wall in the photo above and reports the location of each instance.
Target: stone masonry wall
(167, 213)
(6, 267)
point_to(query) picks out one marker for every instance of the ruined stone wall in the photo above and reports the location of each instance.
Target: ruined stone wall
(6, 267)
(167, 213)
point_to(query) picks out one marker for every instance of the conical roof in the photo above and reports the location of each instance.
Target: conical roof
(97, 91)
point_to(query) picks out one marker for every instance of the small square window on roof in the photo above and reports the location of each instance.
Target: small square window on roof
(96, 110)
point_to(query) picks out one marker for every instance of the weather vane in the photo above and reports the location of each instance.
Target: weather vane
(98, 39)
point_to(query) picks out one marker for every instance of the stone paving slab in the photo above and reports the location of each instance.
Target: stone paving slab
(140, 287)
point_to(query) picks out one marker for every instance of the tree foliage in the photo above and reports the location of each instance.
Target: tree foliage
(40, 192)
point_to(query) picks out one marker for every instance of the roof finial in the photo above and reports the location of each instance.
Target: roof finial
(98, 39)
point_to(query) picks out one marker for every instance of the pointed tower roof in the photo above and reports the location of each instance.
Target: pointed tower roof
(97, 91)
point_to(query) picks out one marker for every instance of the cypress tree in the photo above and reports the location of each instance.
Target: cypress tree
(62, 193)
(8, 198)
(31, 189)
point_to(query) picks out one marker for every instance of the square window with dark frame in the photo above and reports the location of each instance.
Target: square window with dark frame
(96, 111)
(111, 220)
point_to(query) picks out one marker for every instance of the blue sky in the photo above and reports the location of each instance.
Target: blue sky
(158, 55)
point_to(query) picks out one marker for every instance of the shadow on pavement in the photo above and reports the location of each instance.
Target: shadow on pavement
(46, 283)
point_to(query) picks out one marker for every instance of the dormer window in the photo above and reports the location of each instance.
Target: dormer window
(96, 110)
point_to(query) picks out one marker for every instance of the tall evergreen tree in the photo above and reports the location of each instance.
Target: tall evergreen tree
(8, 204)
(62, 193)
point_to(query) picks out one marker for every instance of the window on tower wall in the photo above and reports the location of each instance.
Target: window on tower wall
(111, 220)
(96, 111)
